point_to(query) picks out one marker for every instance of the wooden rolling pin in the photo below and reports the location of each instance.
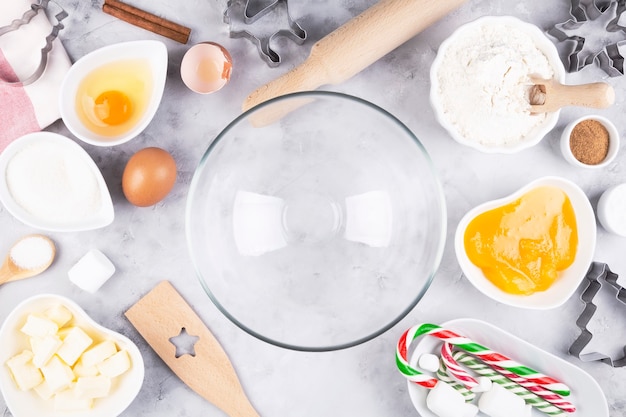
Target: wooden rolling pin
(355, 45)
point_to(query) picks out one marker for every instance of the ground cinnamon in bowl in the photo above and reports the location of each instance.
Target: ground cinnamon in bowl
(589, 142)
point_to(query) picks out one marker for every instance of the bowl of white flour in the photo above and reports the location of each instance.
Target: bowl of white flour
(480, 84)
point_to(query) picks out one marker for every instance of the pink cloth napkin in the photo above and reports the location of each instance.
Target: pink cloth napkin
(33, 107)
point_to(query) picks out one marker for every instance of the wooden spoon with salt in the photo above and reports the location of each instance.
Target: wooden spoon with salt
(548, 96)
(29, 256)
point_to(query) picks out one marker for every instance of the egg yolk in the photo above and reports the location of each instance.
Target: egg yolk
(521, 246)
(112, 98)
(113, 107)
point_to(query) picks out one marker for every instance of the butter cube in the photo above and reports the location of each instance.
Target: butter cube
(36, 326)
(115, 365)
(99, 353)
(75, 343)
(67, 400)
(25, 374)
(57, 374)
(58, 314)
(44, 348)
(44, 391)
(92, 387)
(81, 370)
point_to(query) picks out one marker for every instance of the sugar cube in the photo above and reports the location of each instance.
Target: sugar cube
(91, 271)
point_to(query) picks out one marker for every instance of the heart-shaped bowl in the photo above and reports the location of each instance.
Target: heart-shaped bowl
(31, 169)
(568, 279)
(134, 71)
(124, 388)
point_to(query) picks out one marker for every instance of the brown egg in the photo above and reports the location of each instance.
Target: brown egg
(149, 176)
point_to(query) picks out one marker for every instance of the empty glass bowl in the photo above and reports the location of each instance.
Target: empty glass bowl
(318, 230)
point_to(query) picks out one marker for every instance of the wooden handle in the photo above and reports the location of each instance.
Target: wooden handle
(595, 95)
(5, 272)
(159, 316)
(357, 44)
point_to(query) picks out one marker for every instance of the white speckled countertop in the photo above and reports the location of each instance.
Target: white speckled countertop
(148, 245)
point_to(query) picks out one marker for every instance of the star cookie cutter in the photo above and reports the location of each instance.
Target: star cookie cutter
(597, 273)
(583, 12)
(57, 26)
(241, 17)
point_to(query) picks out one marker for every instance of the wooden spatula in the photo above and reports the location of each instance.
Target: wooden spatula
(161, 315)
(548, 96)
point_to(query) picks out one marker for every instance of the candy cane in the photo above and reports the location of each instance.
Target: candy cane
(454, 369)
(485, 354)
(534, 400)
(412, 374)
(442, 374)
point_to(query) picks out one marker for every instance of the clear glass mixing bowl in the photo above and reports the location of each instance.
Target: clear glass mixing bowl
(319, 230)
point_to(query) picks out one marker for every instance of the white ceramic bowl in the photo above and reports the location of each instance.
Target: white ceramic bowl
(149, 53)
(544, 44)
(27, 403)
(614, 142)
(586, 395)
(568, 279)
(611, 208)
(96, 214)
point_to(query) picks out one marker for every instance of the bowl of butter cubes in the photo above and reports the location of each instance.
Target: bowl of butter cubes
(57, 362)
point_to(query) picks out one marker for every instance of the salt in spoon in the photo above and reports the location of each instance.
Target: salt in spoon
(548, 96)
(29, 256)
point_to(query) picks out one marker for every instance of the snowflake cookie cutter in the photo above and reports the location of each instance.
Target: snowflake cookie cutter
(608, 57)
(597, 273)
(240, 15)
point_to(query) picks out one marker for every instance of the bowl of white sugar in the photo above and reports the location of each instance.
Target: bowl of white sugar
(49, 182)
(480, 84)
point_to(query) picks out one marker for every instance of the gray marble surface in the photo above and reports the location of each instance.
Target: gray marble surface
(148, 245)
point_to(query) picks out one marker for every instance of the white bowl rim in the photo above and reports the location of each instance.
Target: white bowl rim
(155, 51)
(569, 279)
(102, 218)
(546, 46)
(137, 372)
(614, 141)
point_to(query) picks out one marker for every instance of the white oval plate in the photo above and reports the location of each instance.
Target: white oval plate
(568, 280)
(27, 403)
(100, 218)
(154, 52)
(586, 395)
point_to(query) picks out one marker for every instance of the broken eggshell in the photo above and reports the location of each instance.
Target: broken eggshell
(206, 67)
(28, 403)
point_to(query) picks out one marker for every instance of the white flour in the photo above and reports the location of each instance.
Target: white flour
(53, 183)
(484, 82)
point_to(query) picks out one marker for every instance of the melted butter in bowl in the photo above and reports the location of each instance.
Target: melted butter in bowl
(110, 95)
(532, 248)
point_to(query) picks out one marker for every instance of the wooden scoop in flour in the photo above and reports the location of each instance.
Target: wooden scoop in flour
(163, 314)
(548, 96)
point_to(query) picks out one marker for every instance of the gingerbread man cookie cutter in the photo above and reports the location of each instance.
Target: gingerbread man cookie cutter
(240, 15)
(598, 275)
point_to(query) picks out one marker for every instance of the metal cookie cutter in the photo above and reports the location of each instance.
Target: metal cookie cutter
(580, 55)
(239, 15)
(597, 273)
(35, 8)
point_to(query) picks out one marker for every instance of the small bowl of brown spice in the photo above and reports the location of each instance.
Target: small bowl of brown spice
(590, 142)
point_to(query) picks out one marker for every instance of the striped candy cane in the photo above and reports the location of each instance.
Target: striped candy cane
(534, 400)
(442, 374)
(454, 369)
(412, 374)
(488, 356)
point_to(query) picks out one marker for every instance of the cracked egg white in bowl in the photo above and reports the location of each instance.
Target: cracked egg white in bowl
(480, 84)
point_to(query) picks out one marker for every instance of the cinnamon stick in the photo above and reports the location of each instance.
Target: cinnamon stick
(146, 20)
